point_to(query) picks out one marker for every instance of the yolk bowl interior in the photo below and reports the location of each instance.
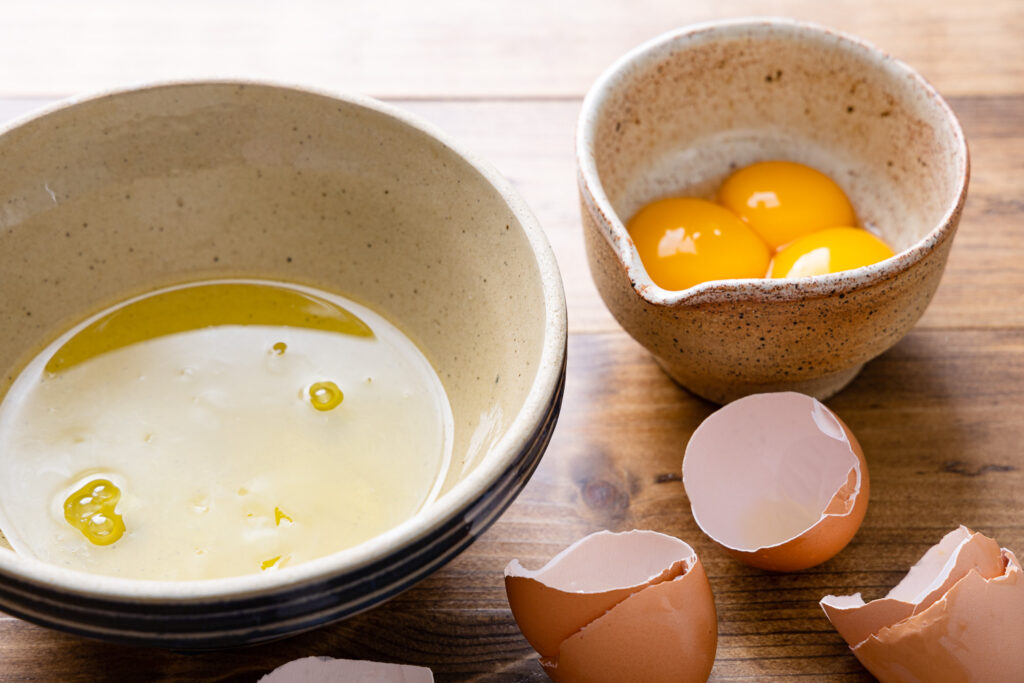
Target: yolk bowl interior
(677, 115)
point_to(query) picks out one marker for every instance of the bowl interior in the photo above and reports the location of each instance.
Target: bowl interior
(122, 194)
(680, 113)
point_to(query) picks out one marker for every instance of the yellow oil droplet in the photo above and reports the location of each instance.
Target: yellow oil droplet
(91, 510)
(279, 515)
(325, 395)
(267, 564)
(279, 348)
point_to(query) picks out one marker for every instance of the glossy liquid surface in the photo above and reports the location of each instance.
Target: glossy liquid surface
(216, 411)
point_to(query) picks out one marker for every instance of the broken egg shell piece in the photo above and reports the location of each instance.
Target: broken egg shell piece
(776, 479)
(587, 579)
(943, 565)
(665, 633)
(315, 669)
(958, 615)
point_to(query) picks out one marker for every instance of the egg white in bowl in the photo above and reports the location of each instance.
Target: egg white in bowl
(126, 193)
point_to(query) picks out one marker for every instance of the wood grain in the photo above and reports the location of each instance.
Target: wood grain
(940, 416)
(458, 48)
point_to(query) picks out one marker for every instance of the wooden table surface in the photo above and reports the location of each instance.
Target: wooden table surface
(940, 416)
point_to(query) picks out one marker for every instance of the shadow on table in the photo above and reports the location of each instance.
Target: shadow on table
(467, 641)
(939, 419)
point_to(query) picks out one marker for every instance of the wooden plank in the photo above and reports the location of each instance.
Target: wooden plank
(497, 48)
(940, 418)
(531, 143)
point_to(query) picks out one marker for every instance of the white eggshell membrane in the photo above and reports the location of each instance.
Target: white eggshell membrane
(323, 669)
(587, 579)
(958, 615)
(648, 555)
(766, 468)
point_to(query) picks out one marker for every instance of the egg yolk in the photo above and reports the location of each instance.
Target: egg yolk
(90, 509)
(279, 515)
(828, 251)
(683, 242)
(325, 396)
(783, 200)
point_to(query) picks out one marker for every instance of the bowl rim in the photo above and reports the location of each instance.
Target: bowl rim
(762, 290)
(508, 449)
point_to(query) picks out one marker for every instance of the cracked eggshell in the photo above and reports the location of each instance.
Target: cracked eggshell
(586, 580)
(319, 669)
(776, 479)
(957, 616)
(634, 606)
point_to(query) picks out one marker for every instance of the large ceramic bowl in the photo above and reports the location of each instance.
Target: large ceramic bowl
(681, 112)
(119, 194)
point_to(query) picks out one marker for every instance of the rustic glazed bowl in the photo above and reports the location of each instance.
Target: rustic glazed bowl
(116, 195)
(675, 116)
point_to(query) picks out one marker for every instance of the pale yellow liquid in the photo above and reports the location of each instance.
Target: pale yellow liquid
(224, 464)
(773, 521)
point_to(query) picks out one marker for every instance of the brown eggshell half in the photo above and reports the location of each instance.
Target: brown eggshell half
(958, 615)
(586, 580)
(777, 479)
(319, 669)
(666, 633)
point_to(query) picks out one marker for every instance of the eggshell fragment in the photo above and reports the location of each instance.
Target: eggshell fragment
(958, 615)
(777, 479)
(323, 669)
(634, 606)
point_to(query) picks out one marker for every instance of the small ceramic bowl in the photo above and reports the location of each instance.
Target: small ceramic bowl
(116, 195)
(675, 116)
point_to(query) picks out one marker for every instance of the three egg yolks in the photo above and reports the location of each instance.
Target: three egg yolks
(773, 219)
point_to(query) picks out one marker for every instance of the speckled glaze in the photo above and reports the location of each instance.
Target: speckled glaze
(115, 195)
(678, 114)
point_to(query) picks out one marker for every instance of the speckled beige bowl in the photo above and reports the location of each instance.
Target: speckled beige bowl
(679, 113)
(115, 195)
